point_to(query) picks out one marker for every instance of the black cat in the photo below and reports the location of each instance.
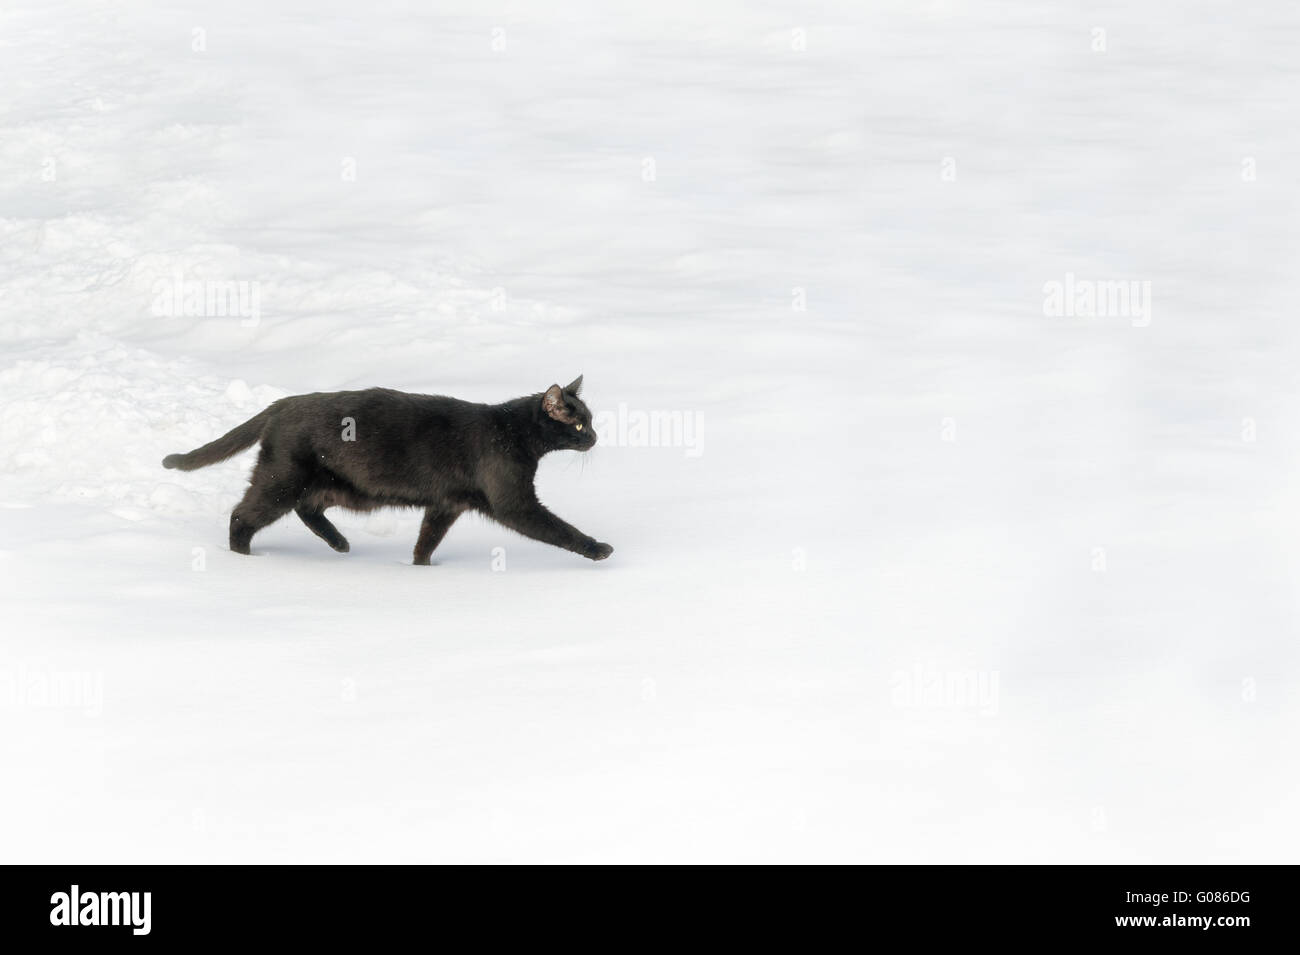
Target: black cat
(381, 448)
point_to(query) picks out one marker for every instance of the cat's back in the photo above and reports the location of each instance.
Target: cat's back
(379, 401)
(385, 415)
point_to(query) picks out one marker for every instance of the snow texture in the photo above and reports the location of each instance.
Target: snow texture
(917, 558)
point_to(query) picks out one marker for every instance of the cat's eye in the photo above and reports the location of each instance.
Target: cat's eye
(578, 426)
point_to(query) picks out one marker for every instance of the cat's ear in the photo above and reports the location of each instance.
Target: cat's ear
(575, 387)
(553, 403)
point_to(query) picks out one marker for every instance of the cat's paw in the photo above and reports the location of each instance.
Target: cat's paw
(599, 551)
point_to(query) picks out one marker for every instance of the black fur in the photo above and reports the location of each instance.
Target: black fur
(381, 448)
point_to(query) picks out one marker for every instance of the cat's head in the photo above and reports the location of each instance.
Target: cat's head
(567, 417)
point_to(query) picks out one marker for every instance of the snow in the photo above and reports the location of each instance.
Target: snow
(941, 577)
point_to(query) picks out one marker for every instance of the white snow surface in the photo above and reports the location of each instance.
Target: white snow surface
(942, 577)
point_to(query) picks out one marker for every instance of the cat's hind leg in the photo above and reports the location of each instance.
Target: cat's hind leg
(437, 521)
(273, 491)
(321, 526)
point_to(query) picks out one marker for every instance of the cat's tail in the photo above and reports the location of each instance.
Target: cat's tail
(226, 446)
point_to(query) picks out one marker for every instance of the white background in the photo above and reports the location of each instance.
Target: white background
(917, 480)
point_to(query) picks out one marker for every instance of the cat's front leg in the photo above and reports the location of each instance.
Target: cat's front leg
(535, 521)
